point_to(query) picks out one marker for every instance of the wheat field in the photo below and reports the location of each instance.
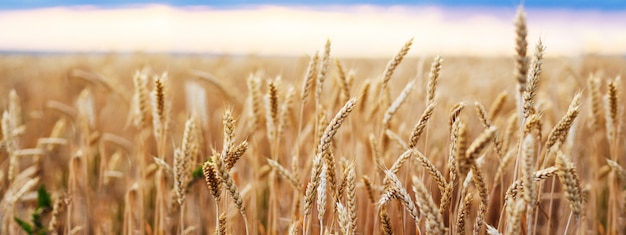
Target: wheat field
(410, 144)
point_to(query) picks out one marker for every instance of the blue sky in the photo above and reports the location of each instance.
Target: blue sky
(563, 4)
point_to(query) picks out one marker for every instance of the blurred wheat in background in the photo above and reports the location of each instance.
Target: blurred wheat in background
(416, 143)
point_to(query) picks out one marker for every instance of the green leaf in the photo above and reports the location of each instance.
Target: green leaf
(43, 198)
(37, 219)
(197, 174)
(24, 225)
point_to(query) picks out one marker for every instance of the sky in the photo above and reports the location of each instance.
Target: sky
(570, 4)
(373, 28)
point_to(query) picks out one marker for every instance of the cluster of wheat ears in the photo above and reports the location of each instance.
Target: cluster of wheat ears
(199, 156)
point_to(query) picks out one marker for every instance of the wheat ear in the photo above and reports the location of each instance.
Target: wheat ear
(309, 80)
(418, 129)
(393, 63)
(428, 208)
(521, 61)
(570, 181)
(433, 76)
(533, 80)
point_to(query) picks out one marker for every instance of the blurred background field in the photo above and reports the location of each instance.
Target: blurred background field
(77, 122)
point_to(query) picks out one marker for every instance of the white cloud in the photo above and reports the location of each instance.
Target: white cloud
(355, 31)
